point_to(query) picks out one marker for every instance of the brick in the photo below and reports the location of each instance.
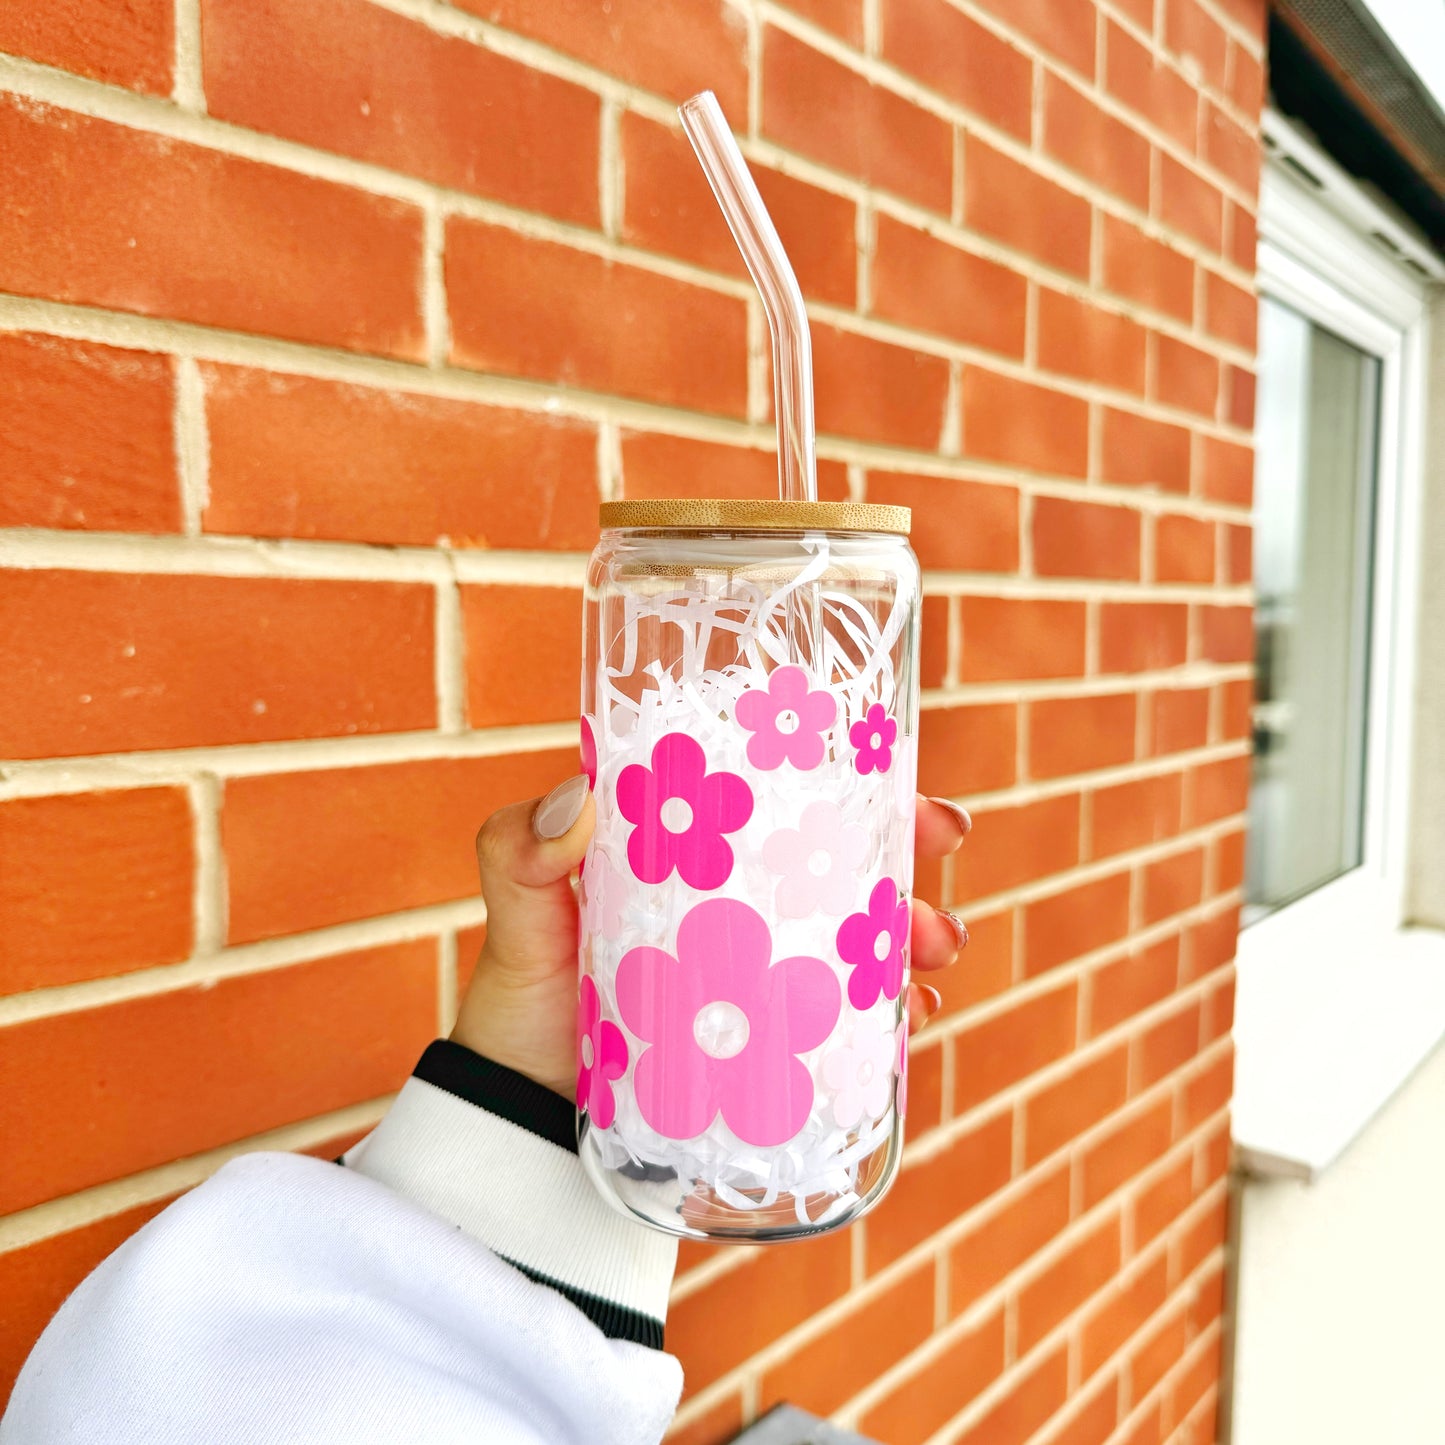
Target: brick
(933, 647)
(876, 391)
(1015, 205)
(962, 526)
(1190, 204)
(1097, 145)
(1199, 41)
(1196, 1381)
(843, 17)
(835, 116)
(645, 335)
(716, 1426)
(669, 207)
(508, 680)
(1167, 1046)
(93, 884)
(1010, 1046)
(362, 81)
(1185, 376)
(1028, 1404)
(469, 951)
(771, 1292)
(1183, 548)
(1226, 471)
(823, 1374)
(1078, 338)
(36, 1278)
(1133, 815)
(1236, 708)
(1125, 1152)
(919, 1406)
(1128, 985)
(1077, 734)
(1085, 539)
(1239, 553)
(98, 1093)
(1142, 636)
(1232, 150)
(1231, 313)
(1148, 1429)
(1064, 28)
(1208, 1092)
(1138, 78)
(1062, 1111)
(931, 1194)
(1079, 1273)
(1146, 269)
(1207, 1233)
(1213, 943)
(1151, 1361)
(657, 465)
(956, 56)
(103, 215)
(298, 456)
(1213, 1156)
(1075, 921)
(967, 749)
(1094, 1423)
(1206, 1301)
(1130, 1305)
(1243, 238)
(1239, 385)
(86, 436)
(1020, 844)
(1181, 719)
(1227, 634)
(307, 850)
(130, 44)
(105, 662)
(1141, 11)
(1137, 451)
(1020, 424)
(928, 284)
(1173, 884)
(925, 1087)
(1217, 790)
(1007, 638)
(1246, 80)
(1218, 1015)
(990, 967)
(675, 51)
(1005, 1241)
(1228, 861)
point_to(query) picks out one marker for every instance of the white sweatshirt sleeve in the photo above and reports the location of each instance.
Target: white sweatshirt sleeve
(457, 1280)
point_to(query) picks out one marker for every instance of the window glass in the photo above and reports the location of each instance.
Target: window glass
(1316, 447)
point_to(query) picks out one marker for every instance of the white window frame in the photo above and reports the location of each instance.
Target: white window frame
(1337, 1002)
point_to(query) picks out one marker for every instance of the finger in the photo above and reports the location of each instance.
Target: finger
(923, 1003)
(940, 827)
(937, 935)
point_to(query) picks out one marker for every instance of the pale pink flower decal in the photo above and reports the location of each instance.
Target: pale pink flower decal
(601, 1057)
(787, 721)
(725, 1026)
(903, 1069)
(860, 1074)
(874, 737)
(604, 895)
(682, 812)
(874, 944)
(818, 862)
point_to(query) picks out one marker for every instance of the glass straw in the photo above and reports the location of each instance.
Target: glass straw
(747, 217)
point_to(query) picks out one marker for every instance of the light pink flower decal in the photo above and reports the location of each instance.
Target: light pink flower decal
(601, 1057)
(604, 894)
(874, 943)
(681, 812)
(874, 737)
(817, 861)
(589, 751)
(860, 1074)
(786, 720)
(903, 1069)
(725, 1025)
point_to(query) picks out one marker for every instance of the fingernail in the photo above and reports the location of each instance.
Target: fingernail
(932, 999)
(958, 814)
(557, 812)
(959, 927)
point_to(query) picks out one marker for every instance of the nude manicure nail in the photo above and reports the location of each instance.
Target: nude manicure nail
(560, 809)
(959, 814)
(959, 927)
(932, 999)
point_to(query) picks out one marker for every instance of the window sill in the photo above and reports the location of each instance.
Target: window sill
(1335, 1010)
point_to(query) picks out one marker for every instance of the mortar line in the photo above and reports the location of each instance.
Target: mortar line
(192, 445)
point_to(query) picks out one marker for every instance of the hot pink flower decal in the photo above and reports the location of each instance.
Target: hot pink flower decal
(725, 1025)
(589, 751)
(817, 861)
(903, 1069)
(860, 1074)
(682, 811)
(874, 943)
(601, 1057)
(874, 737)
(787, 721)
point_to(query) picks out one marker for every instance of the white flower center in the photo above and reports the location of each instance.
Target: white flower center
(865, 1073)
(587, 1055)
(882, 945)
(876, 741)
(721, 1029)
(787, 721)
(820, 862)
(675, 815)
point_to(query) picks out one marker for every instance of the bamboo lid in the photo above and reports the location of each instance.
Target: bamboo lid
(701, 514)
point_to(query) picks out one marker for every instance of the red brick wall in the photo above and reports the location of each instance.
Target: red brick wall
(324, 326)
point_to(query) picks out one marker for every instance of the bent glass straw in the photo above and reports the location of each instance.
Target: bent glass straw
(747, 217)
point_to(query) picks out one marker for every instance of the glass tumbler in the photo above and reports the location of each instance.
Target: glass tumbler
(749, 721)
